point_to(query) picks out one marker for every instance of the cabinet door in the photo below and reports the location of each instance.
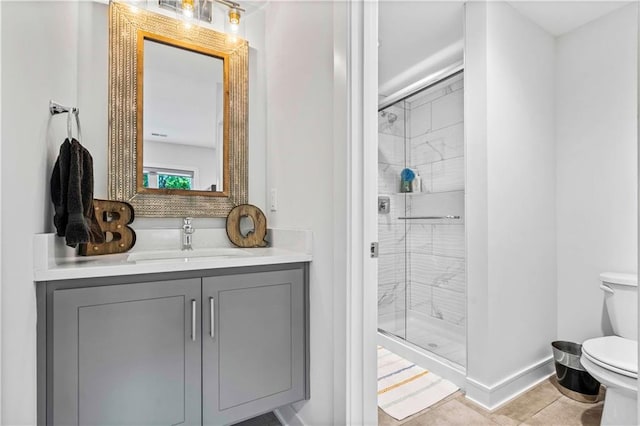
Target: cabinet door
(127, 355)
(254, 349)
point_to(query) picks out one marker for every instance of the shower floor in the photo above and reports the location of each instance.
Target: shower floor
(428, 334)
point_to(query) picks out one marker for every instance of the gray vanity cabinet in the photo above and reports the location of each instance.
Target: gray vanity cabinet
(127, 354)
(210, 347)
(253, 347)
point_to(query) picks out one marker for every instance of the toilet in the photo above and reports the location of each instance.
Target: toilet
(613, 360)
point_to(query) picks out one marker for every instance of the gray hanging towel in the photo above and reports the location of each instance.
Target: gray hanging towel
(72, 195)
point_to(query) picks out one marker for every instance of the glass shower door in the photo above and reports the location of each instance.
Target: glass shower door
(422, 262)
(392, 271)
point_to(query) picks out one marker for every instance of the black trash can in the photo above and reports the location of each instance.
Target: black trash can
(571, 374)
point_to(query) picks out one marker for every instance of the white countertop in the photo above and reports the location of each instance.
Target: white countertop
(54, 261)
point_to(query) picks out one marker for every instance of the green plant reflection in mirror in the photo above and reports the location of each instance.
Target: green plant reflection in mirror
(167, 180)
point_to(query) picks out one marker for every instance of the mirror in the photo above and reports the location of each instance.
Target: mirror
(183, 119)
(177, 116)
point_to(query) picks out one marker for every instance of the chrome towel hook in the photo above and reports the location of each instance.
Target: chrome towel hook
(56, 108)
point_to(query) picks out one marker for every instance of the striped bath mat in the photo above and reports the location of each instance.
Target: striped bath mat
(404, 388)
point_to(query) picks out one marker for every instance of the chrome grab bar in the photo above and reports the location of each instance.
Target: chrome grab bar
(430, 217)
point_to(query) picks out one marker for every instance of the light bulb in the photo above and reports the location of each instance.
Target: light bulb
(234, 20)
(187, 8)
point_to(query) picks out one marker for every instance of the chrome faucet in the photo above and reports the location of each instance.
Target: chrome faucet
(187, 232)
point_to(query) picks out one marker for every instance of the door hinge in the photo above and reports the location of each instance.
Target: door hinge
(374, 249)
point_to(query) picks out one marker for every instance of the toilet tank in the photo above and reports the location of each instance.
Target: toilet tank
(621, 299)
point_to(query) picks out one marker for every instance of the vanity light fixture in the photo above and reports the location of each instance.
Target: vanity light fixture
(234, 14)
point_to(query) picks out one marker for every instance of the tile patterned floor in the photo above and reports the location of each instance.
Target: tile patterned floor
(542, 405)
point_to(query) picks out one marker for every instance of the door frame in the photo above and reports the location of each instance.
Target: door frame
(356, 99)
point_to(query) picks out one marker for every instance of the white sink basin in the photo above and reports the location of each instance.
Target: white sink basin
(185, 254)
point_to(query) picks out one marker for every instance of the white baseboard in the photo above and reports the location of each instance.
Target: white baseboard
(288, 416)
(493, 396)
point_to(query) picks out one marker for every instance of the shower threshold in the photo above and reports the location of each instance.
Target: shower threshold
(424, 358)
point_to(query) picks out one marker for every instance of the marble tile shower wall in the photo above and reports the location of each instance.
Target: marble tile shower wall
(391, 230)
(436, 249)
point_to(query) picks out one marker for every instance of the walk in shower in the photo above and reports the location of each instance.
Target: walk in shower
(421, 275)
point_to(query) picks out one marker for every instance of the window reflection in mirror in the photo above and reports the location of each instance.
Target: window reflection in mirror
(183, 119)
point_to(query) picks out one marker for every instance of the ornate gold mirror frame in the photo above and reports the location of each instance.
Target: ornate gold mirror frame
(127, 30)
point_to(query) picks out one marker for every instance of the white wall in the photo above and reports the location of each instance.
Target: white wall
(521, 119)
(510, 199)
(476, 202)
(254, 26)
(299, 67)
(0, 213)
(597, 166)
(39, 63)
(93, 87)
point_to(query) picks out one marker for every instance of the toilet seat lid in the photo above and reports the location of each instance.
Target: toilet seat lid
(613, 353)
